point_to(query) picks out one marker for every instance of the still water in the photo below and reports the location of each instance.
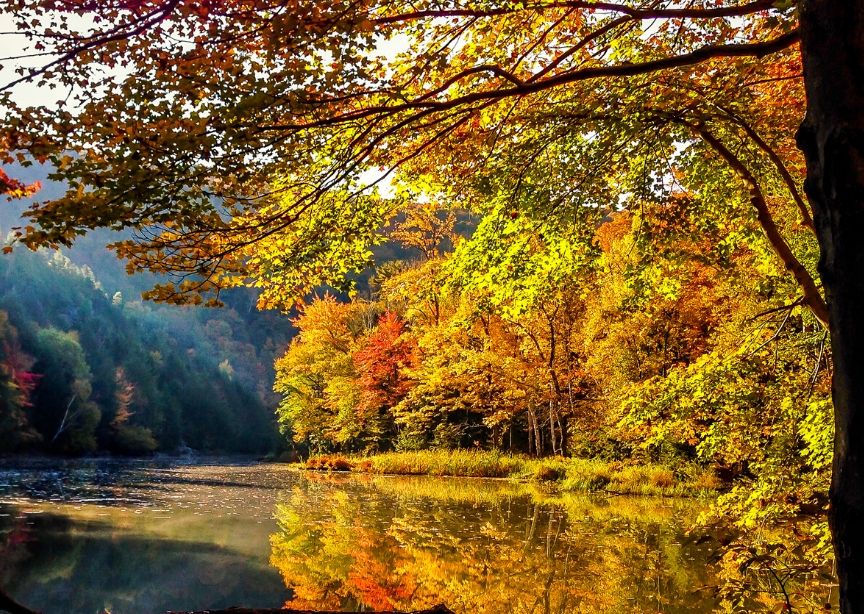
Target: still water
(135, 537)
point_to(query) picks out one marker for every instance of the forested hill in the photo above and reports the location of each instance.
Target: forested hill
(134, 376)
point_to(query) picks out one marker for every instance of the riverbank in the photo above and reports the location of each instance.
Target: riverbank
(566, 474)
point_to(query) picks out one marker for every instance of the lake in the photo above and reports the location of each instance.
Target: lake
(134, 537)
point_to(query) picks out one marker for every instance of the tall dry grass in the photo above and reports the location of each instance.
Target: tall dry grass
(565, 474)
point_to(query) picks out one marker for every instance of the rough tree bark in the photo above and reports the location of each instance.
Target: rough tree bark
(832, 139)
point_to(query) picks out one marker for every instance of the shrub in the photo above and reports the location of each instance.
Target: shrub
(133, 440)
(329, 463)
(546, 473)
(339, 463)
(585, 474)
(663, 478)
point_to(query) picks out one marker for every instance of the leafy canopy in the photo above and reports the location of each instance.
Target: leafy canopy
(243, 139)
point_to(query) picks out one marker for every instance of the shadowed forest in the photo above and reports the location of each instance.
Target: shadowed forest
(86, 366)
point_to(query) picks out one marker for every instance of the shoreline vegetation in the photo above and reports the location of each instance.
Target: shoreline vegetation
(566, 474)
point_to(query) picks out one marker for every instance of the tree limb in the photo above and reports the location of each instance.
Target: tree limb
(803, 209)
(812, 295)
(697, 56)
(607, 7)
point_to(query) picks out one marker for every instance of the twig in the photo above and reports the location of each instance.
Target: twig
(791, 305)
(818, 365)
(63, 423)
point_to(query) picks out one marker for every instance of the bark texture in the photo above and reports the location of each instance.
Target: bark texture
(832, 139)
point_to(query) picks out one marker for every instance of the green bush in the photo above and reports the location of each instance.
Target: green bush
(133, 440)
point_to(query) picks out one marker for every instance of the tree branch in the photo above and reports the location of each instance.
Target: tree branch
(803, 209)
(608, 7)
(93, 42)
(812, 295)
(700, 55)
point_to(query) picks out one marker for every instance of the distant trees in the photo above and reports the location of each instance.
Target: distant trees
(68, 417)
(81, 373)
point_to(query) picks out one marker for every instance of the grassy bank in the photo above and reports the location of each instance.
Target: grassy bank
(567, 474)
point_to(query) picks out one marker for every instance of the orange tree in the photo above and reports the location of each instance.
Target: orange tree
(239, 138)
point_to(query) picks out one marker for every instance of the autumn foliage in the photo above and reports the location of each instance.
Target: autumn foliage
(382, 362)
(635, 276)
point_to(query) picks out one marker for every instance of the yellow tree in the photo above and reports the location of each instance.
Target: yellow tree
(316, 376)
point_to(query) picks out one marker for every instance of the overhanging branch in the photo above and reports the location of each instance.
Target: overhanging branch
(697, 56)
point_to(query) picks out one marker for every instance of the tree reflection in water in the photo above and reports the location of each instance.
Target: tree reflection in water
(136, 538)
(404, 543)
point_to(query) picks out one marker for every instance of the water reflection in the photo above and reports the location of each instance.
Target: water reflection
(136, 538)
(59, 563)
(406, 543)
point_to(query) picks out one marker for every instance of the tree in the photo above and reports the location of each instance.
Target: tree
(531, 274)
(17, 384)
(332, 113)
(235, 134)
(833, 53)
(381, 360)
(316, 377)
(69, 418)
(128, 438)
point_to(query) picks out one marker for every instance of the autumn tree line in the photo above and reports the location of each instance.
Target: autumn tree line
(637, 340)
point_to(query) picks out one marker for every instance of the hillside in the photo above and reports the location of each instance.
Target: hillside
(219, 393)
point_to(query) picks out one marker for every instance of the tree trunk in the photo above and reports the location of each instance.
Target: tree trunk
(832, 139)
(534, 429)
(562, 431)
(538, 436)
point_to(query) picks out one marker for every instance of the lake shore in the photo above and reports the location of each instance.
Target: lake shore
(566, 474)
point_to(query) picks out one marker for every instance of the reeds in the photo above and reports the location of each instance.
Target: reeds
(566, 474)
